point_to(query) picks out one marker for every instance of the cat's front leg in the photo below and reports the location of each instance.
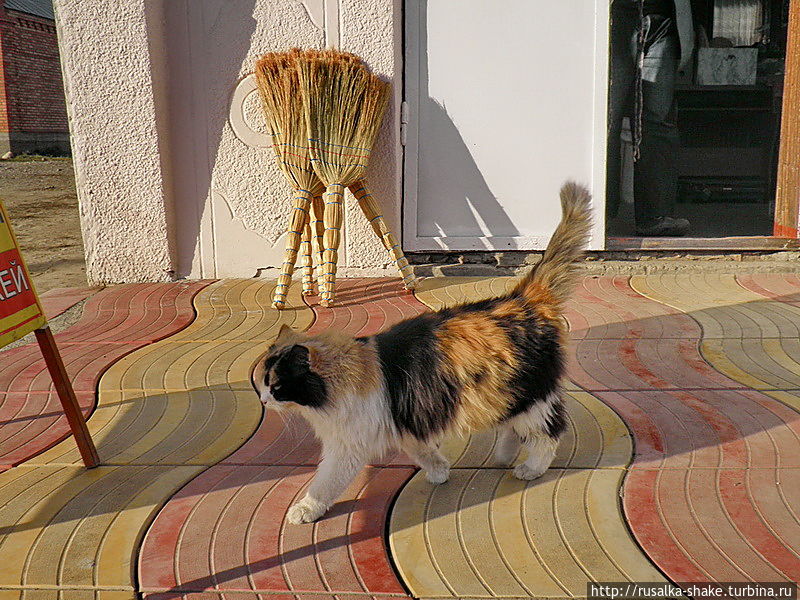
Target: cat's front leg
(335, 472)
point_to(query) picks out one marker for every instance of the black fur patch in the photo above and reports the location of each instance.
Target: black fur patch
(294, 379)
(541, 361)
(422, 399)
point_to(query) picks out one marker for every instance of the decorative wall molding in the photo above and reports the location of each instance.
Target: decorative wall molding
(245, 92)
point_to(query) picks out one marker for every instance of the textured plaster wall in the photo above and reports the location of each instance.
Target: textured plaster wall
(110, 104)
(169, 138)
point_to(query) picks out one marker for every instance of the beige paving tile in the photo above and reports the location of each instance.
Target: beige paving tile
(441, 292)
(164, 413)
(723, 308)
(487, 534)
(70, 527)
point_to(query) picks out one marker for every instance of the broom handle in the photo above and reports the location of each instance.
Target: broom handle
(306, 261)
(317, 232)
(372, 212)
(332, 218)
(297, 221)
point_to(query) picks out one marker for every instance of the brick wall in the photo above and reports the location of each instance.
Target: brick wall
(33, 112)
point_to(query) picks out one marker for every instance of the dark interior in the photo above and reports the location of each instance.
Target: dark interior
(729, 134)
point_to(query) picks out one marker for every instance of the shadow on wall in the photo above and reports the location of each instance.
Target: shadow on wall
(201, 40)
(472, 208)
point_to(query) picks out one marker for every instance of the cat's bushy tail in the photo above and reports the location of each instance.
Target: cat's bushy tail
(555, 274)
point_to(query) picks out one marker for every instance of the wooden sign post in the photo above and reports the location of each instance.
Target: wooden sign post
(20, 313)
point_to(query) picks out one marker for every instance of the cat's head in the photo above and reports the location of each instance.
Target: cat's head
(286, 374)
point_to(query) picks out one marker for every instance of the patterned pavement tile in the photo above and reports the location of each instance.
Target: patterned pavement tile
(718, 524)
(31, 418)
(59, 300)
(365, 307)
(712, 493)
(68, 527)
(722, 307)
(226, 530)
(34, 421)
(783, 287)
(486, 534)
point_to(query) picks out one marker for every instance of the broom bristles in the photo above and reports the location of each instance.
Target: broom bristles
(279, 90)
(344, 105)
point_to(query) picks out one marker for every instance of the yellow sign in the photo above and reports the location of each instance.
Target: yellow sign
(20, 310)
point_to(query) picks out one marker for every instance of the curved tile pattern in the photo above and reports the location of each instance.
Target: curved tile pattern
(487, 534)
(59, 300)
(115, 322)
(225, 531)
(712, 493)
(784, 287)
(80, 530)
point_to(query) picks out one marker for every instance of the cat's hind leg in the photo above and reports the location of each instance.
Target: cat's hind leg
(539, 428)
(429, 459)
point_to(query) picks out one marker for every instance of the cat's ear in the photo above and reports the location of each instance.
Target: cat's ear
(285, 334)
(296, 360)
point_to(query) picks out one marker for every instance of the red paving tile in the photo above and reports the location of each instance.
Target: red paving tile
(226, 531)
(115, 322)
(365, 306)
(624, 341)
(784, 287)
(714, 489)
(33, 422)
(59, 300)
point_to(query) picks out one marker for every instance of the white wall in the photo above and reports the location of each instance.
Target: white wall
(174, 176)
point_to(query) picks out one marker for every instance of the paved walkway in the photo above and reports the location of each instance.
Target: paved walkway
(681, 461)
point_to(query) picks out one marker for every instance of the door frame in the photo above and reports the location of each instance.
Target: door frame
(787, 192)
(410, 142)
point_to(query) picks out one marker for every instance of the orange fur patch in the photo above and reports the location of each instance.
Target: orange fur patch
(479, 355)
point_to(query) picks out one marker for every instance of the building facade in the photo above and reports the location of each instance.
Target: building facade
(493, 106)
(33, 115)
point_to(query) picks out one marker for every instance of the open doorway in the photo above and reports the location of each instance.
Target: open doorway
(695, 101)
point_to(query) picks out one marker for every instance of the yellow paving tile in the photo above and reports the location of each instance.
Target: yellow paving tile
(486, 534)
(441, 292)
(164, 413)
(722, 307)
(65, 594)
(71, 527)
(750, 339)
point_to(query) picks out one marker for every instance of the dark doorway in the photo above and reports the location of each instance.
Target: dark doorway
(725, 109)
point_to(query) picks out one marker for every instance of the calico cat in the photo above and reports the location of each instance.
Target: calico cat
(491, 364)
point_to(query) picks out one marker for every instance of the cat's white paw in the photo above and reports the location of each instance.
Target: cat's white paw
(438, 474)
(307, 510)
(526, 473)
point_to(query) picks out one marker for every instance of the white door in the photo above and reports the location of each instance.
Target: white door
(505, 101)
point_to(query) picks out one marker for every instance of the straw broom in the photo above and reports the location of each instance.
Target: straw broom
(371, 209)
(344, 105)
(279, 90)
